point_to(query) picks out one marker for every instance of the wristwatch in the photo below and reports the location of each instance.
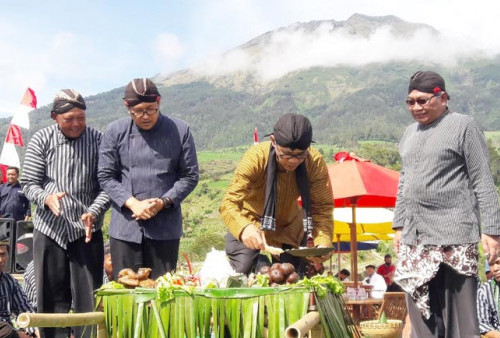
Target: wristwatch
(167, 203)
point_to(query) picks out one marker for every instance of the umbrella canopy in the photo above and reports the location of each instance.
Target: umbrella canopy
(345, 247)
(368, 221)
(366, 237)
(357, 182)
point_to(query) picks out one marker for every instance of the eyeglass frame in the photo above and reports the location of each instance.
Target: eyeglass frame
(283, 156)
(423, 102)
(142, 112)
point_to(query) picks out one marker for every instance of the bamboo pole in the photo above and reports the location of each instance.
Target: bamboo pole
(303, 325)
(28, 319)
(354, 243)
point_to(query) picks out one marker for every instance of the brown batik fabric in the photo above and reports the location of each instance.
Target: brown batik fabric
(418, 265)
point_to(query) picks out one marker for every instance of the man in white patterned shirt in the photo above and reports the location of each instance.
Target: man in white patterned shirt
(60, 178)
(447, 202)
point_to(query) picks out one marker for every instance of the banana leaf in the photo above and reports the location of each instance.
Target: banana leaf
(335, 318)
(235, 312)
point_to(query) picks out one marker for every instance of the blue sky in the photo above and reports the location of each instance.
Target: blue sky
(97, 45)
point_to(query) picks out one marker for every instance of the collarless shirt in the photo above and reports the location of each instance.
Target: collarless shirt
(446, 190)
(13, 301)
(54, 163)
(487, 307)
(160, 162)
(13, 202)
(243, 203)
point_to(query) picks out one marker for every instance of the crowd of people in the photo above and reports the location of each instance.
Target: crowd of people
(144, 165)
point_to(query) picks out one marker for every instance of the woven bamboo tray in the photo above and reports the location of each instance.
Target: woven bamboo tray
(373, 329)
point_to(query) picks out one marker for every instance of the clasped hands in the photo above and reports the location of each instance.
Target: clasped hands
(145, 209)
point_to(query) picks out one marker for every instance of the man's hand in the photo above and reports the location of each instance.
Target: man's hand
(253, 238)
(491, 246)
(53, 202)
(88, 221)
(143, 210)
(157, 205)
(397, 241)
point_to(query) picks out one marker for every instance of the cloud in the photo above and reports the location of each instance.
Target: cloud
(168, 49)
(292, 49)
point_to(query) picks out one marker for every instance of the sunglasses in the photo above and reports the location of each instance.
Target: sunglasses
(421, 102)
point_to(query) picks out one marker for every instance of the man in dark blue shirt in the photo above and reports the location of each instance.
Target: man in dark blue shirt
(147, 166)
(13, 203)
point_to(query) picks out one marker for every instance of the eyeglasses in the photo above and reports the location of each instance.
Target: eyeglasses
(284, 156)
(142, 112)
(421, 102)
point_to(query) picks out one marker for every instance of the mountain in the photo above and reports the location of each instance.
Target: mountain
(349, 77)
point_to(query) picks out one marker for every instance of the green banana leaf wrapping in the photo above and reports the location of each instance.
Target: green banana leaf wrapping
(199, 313)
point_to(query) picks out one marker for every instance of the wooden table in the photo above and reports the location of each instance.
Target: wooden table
(363, 309)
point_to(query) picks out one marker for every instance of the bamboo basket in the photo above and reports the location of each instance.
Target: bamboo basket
(373, 329)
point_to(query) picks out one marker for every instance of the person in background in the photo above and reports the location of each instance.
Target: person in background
(13, 301)
(13, 203)
(343, 275)
(488, 303)
(148, 166)
(386, 270)
(487, 271)
(374, 279)
(260, 206)
(108, 264)
(60, 178)
(447, 202)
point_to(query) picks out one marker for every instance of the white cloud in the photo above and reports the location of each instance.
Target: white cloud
(106, 52)
(168, 49)
(291, 50)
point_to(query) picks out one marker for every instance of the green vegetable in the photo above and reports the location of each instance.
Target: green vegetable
(383, 318)
(323, 284)
(112, 285)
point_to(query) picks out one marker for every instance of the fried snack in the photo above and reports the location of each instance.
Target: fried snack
(128, 281)
(129, 278)
(147, 283)
(127, 272)
(143, 273)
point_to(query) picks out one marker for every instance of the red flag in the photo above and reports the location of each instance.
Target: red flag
(255, 136)
(29, 98)
(14, 137)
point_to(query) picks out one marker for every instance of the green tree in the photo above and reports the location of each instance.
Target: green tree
(494, 162)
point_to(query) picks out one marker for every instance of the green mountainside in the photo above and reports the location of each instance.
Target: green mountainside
(345, 105)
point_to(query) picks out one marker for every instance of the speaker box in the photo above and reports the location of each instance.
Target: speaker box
(7, 232)
(23, 246)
